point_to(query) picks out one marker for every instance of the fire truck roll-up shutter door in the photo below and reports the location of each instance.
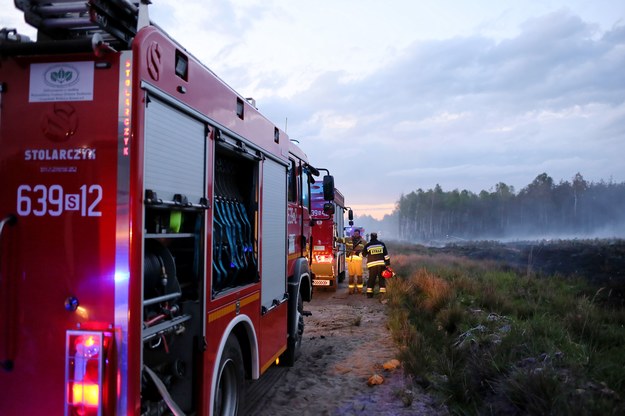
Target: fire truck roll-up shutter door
(174, 153)
(273, 233)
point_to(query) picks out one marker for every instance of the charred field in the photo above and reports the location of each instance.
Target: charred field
(600, 262)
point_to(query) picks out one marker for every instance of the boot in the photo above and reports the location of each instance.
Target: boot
(359, 284)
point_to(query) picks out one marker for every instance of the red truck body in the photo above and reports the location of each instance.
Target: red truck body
(151, 255)
(328, 251)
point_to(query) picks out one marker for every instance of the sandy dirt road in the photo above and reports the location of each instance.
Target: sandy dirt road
(346, 341)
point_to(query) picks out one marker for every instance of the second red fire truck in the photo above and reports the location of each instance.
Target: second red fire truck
(154, 226)
(328, 250)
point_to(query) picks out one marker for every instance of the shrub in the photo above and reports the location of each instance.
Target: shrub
(492, 340)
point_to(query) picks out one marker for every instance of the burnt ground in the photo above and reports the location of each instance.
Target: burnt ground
(600, 262)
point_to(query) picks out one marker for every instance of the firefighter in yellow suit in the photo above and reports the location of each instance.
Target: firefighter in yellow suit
(353, 248)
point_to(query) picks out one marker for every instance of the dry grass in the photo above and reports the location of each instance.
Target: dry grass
(492, 341)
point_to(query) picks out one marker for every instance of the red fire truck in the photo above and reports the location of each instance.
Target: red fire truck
(328, 251)
(154, 226)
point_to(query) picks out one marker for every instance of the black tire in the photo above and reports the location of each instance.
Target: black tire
(294, 343)
(230, 381)
(342, 276)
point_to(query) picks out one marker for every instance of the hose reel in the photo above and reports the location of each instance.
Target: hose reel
(159, 273)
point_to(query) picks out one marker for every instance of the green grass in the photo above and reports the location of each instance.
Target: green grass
(488, 340)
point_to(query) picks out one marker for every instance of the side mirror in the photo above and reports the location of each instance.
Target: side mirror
(328, 208)
(313, 170)
(350, 215)
(328, 188)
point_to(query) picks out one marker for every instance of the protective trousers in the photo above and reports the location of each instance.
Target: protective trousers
(354, 268)
(375, 273)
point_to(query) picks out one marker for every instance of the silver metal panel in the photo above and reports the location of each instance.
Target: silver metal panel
(123, 225)
(273, 254)
(174, 153)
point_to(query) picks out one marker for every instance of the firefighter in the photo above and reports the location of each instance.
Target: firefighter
(377, 260)
(354, 247)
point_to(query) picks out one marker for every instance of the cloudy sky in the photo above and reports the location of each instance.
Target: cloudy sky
(399, 95)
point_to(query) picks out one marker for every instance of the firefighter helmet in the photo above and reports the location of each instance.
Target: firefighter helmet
(387, 273)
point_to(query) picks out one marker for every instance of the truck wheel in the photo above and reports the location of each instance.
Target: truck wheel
(230, 380)
(294, 343)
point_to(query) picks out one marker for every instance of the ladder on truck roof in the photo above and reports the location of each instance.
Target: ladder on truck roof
(112, 23)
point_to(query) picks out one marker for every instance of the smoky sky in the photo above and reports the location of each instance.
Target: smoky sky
(470, 112)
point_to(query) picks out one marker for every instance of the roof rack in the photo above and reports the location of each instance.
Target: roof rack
(115, 22)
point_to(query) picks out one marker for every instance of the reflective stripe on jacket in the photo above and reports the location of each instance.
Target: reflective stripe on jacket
(376, 254)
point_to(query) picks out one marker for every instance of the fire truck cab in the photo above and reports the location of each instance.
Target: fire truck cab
(154, 226)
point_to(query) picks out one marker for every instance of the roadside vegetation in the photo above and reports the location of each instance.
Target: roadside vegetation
(490, 339)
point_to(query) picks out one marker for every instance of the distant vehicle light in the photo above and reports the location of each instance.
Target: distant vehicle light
(323, 259)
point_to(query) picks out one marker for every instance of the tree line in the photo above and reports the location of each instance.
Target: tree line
(575, 208)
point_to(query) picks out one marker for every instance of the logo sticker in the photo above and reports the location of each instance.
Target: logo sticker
(61, 76)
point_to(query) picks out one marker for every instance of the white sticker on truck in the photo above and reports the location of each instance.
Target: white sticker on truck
(61, 81)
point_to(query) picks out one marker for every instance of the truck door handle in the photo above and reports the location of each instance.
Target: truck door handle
(10, 220)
